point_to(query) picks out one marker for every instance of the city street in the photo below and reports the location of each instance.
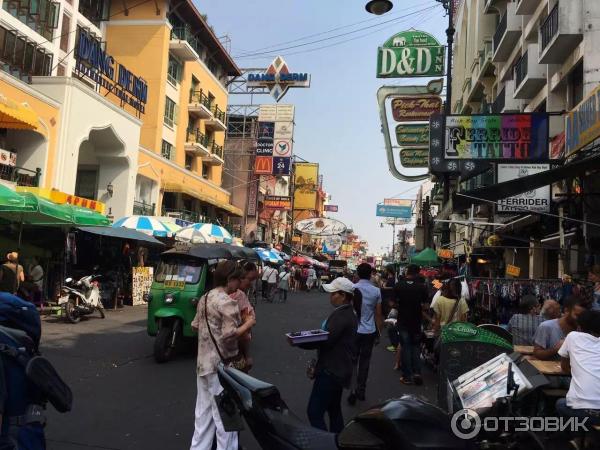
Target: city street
(124, 400)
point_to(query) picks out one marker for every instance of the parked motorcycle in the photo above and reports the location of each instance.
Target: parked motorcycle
(407, 423)
(81, 298)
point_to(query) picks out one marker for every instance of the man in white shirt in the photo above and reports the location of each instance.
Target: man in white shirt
(580, 355)
(270, 275)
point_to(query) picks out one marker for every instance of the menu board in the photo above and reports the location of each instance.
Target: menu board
(141, 283)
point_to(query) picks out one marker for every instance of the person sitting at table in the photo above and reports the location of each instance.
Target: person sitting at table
(550, 335)
(523, 326)
(580, 356)
(550, 310)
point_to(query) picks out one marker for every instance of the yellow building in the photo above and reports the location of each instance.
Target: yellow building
(180, 160)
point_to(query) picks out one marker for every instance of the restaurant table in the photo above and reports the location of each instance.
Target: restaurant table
(551, 368)
(523, 349)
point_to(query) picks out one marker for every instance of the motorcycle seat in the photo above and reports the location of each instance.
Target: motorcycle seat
(257, 387)
(18, 336)
(300, 435)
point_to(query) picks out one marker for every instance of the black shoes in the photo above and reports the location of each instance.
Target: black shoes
(355, 396)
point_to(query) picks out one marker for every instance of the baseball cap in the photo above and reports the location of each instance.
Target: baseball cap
(340, 284)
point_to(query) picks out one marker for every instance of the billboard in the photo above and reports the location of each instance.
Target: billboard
(583, 123)
(402, 212)
(410, 54)
(278, 78)
(306, 177)
(278, 202)
(537, 200)
(263, 165)
(320, 226)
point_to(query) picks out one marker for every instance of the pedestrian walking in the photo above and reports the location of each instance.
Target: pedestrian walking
(284, 285)
(412, 299)
(311, 278)
(219, 326)
(271, 278)
(264, 281)
(370, 324)
(333, 370)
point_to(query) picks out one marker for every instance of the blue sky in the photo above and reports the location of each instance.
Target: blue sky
(337, 118)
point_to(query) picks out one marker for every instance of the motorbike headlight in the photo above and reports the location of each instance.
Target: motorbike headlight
(194, 301)
(169, 299)
(147, 297)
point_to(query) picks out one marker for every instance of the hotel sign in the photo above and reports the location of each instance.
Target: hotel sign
(278, 79)
(94, 63)
(410, 54)
(583, 123)
(415, 109)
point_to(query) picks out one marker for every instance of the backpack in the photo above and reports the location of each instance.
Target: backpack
(27, 380)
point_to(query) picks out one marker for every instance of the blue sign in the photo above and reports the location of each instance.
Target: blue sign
(266, 130)
(281, 165)
(399, 212)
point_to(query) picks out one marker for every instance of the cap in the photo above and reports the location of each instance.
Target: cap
(340, 284)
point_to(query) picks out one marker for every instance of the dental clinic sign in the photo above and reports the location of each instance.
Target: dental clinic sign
(410, 54)
(94, 63)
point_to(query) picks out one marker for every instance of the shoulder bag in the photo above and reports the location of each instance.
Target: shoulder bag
(237, 362)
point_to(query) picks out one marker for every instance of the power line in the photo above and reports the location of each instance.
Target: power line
(278, 50)
(316, 34)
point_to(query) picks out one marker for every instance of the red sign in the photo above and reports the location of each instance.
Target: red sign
(83, 202)
(278, 202)
(557, 146)
(263, 165)
(415, 109)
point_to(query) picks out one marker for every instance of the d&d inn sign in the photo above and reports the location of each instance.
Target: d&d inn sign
(410, 54)
(94, 63)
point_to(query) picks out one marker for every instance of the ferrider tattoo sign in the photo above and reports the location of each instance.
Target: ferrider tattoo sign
(410, 54)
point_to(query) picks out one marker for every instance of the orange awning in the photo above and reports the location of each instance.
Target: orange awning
(15, 115)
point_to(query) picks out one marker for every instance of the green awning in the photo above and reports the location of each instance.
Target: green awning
(428, 257)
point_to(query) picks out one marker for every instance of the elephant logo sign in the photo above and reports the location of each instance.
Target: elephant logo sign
(399, 41)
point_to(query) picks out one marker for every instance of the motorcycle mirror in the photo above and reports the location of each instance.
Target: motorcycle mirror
(68, 280)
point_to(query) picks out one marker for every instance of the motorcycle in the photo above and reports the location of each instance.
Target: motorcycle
(81, 298)
(404, 423)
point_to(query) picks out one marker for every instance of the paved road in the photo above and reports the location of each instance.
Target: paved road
(124, 400)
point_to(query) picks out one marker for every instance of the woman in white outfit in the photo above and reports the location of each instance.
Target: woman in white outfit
(217, 315)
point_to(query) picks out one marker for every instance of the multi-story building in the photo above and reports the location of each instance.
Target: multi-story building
(525, 56)
(128, 102)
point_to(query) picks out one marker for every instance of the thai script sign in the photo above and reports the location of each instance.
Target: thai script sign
(415, 109)
(497, 137)
(410, 54)
(414, 157)
(278, 79)
(583, 123)
(94, 63)
(411, 134)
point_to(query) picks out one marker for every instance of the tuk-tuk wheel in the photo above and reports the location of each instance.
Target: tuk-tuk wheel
(164, 344)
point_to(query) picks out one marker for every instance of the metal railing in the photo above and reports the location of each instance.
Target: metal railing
(217, 150)
(20, 175)
(521, 68)
(549, 28)
(184, 214)
(500, 31)
(201, 98)
(185, 34)
(141, 208)
(195, 135)
(500, 101)
(485, 54)
(219, 113)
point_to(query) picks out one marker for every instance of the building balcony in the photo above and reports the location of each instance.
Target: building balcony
(491, 6)
(215, 157)
(505, 101)
(184, 214)
(527, 7)
(20, 176)
(180, 46)
(507, 34)
(218, 120)
(197, 143)
(141, 208)
(200, 105)
(561, 32)
(530, 76)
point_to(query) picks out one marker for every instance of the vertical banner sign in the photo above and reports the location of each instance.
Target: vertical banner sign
(305, 193)
(142, 278)
(410, 54)
(252, 197)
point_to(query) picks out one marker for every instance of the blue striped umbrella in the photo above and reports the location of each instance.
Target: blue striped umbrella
(270, 256)
(204, 232)
(144, 224)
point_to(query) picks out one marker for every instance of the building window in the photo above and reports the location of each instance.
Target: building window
(171, 112)
(576, 86)
(41, 15)
(95, 11)
(189, 162)
(21, 58)
(167, 150)
(205, 171)
(61, 71)
(174, 70)
(65, 33)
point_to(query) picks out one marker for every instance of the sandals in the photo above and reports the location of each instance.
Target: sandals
(406, 381)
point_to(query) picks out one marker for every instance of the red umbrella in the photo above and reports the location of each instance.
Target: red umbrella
(300, 260)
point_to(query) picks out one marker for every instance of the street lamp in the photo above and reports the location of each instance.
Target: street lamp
(379, 7)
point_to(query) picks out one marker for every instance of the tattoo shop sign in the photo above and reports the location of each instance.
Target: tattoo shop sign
(410, 54)
(536, 200)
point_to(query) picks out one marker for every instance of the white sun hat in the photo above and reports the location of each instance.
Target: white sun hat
(340, 284)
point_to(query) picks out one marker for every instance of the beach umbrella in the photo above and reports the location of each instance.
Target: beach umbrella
(172, 227)
(88, 217)
(209, 232)
(269, 256)
(144, 224)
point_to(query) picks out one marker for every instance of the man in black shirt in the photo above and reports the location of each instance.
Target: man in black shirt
(411, 294)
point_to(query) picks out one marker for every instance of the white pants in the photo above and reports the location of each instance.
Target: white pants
(208, 419)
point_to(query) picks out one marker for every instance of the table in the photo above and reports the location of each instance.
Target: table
(524, 349)
(548, 367)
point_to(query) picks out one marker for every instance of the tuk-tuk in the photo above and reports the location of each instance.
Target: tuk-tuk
(182, 277)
